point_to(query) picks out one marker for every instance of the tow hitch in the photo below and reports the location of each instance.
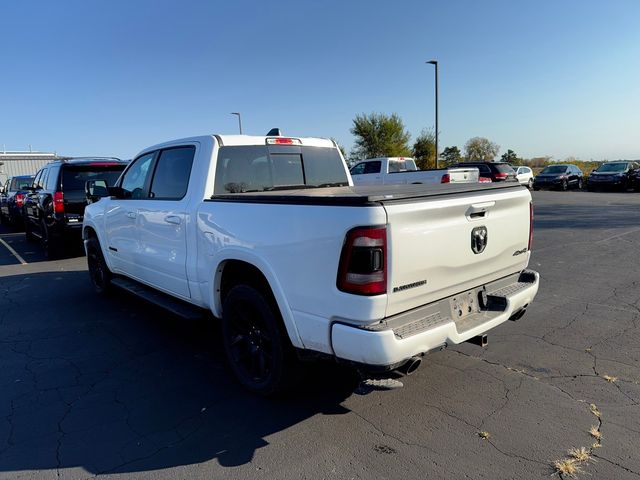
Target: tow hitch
(480, 340)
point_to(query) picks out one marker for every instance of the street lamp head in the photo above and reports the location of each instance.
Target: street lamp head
(235, 113)
(433, 62)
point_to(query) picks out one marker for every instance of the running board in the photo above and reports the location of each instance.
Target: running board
(162, 300)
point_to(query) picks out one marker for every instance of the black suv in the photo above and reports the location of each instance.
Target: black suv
(54, 206)
(613, 175)
(496, 171)
(12, 196)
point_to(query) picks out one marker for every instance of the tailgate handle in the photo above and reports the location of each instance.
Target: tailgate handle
(479, 210)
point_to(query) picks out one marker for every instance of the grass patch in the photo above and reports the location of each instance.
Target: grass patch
(567, 466)
(595, 433)
(484, 435)
(580, 454)
(594, 409)
(610, 378)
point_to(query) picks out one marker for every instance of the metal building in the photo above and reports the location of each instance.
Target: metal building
(22, 163)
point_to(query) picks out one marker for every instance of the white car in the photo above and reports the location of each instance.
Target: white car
(525, 176)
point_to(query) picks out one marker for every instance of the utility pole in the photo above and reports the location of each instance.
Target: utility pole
(435, 63)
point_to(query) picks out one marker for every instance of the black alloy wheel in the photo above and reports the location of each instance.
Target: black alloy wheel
(98, 271)
(565, 185)
(255, 345)
(580, 184)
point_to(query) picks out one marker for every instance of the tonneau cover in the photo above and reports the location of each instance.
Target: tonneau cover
(361, 195)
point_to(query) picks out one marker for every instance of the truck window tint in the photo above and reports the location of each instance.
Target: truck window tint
(397, 166)
(358, 169)
(287, 170)
(242, 169)
(372, 167)
(135, 177)
(171, 177)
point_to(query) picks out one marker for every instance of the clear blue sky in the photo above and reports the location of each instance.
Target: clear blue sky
(110, 77)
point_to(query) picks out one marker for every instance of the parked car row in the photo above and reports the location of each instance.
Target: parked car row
(50, 204)
(619, 175)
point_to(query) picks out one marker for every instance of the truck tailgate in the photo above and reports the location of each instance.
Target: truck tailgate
(432, 242)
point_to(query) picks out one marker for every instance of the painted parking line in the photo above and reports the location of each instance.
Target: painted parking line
(13, 252)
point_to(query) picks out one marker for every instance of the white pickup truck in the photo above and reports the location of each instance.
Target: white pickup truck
(403, 170)
(270, 235)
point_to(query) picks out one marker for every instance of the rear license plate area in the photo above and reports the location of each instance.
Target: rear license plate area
(464, 304)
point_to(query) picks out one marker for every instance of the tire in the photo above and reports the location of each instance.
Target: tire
(580, 184)
(530, 184)
(51, 246)
(255, 343)
(564, 186)
(98, 270)
(30, 237)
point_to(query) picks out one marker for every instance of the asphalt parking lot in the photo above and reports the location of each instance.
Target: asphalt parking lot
(119, 389)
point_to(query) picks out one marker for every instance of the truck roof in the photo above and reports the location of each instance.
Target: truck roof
(236, 140)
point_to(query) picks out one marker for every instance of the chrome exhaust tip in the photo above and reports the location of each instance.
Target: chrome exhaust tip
(411, 365)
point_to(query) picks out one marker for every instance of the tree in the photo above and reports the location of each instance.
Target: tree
(379, 135)
(451, 155)
(424, 149)
(509, 157)
(480, 149)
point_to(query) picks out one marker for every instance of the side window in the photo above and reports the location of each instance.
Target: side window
(36, 181)
(171, 177)
(372, 167)
(358, 169)
(51, 182)
(134, 179)
(484, 169)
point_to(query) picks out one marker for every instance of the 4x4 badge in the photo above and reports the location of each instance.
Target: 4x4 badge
(479, 239)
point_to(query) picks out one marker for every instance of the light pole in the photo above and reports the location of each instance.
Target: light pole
(435, 63)
(239, 120)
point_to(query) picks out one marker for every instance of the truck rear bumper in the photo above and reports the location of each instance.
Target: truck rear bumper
(448, 321)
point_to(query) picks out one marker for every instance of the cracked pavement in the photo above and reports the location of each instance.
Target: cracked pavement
(115, 388)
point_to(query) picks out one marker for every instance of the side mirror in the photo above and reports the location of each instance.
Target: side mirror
(95, 189)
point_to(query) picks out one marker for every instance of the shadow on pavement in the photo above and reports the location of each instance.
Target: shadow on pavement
(116, 385)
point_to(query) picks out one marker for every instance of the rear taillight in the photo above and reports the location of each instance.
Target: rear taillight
(58, 202)
(446, 178)
(530, 225)
(501, 176)
(19, 199)
(363, 263)
(484, 180)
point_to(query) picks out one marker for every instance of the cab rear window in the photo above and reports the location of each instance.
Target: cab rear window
(242, 169)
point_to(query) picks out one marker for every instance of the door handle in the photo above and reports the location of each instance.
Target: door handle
(132, 214)
(478, 210)
(173, 219)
